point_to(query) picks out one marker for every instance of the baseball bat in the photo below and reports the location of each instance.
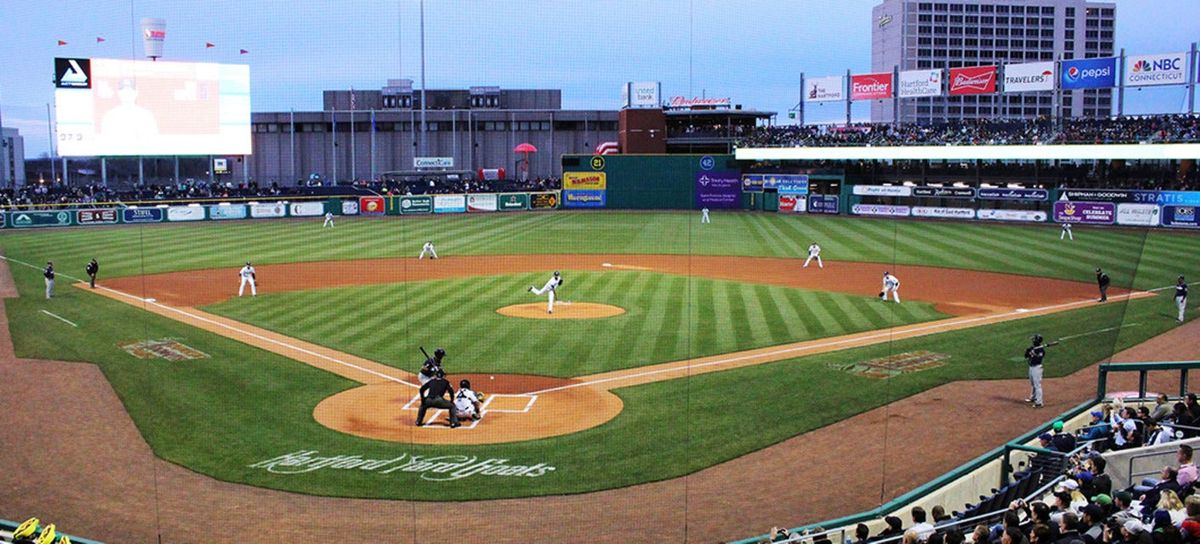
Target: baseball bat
(425, 353)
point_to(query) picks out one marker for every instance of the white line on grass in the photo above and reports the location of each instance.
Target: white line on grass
(60, 318)
(1098, 331)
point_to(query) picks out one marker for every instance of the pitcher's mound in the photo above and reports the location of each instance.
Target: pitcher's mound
(562, 310)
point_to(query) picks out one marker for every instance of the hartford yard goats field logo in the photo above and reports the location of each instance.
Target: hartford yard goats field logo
(442, 468)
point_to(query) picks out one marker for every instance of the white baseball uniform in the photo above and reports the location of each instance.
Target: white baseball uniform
(328, 220)
(247, 275)
(427, 248)
(464, 403)
(1181, 295)
(1066, 232)
(891, 284)
(548, 289)
(814, 252)
(704, 216)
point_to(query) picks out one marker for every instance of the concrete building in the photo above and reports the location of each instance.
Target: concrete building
(12, 158)
(362, 134)
(914, 34)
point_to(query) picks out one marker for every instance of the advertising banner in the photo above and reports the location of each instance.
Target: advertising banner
(914, 83)
(718, 190)
(513, 202)
(825, 204)
(142, 215)
(1033, 76)
(972, 80)
(883, 190)
(416, 204)
(270, 209)
(825, 89)
(1089, 73)
(1179, 198)
(943, 213)
(1092, 213)
(433, 162)
(793, 185)
(944, 192)
(1141, 215)
(588, 181)
(185, 213)
(95, 217)
(753, 183)
(793, 203)
(482, 203)
(227, 211)
(543, 201)
(1029, 195)
(641, 94)
(23, 220)
(871, 86)
(880, 209)
(449, 204)
(1161, 69)
(582, 198)
(371, 205)
(1011, 215)
(1180, 217)
(350, 207)
(306, 209)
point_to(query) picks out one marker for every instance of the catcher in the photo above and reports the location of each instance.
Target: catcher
(468, 402)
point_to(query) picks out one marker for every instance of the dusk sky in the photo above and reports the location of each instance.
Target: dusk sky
(753, 52)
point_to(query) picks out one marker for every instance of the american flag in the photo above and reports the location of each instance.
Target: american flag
(352, 100)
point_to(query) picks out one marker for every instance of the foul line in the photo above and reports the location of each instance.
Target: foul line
(1073, 336)
(235, 329)
(800, 349)
(60, 318)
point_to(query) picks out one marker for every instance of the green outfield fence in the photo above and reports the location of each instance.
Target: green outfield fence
(1003, 451)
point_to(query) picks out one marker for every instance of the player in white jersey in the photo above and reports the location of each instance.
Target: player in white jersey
(467, 402)
(248, 277)
(704, 216)
(814, 252)
(1066, 232)
(890, 284)
(328, 220)
(552, 284)
(427, 248)
(1181, 294)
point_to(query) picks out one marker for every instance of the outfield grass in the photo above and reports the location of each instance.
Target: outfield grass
(243, 405)
(667, 318)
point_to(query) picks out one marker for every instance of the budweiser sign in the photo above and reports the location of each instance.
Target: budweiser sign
(871, 86)
(973, 80)
(683, 102)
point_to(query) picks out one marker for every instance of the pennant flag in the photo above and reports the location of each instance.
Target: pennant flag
(99, 39)
(242, 51)
(60, 42)
(209, 45)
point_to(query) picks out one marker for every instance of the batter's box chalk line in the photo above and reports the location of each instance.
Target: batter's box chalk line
(414, 404)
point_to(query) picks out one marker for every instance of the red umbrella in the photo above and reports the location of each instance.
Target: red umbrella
(525, 148)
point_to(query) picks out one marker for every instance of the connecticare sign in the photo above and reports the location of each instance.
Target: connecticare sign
(435, 468)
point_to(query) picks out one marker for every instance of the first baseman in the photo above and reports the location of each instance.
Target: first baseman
(427, 248)
(890, 284)
(551, 285)
(1181, 292)
(814, 252)
(248, 277)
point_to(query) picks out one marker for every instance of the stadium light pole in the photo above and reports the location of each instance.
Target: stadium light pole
(424, 128)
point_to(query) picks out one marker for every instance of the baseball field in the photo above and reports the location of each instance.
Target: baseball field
(675, 346)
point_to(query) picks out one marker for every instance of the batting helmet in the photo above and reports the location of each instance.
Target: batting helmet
(465, 384)
(1037, 339)
(439, 353)
(555, 272)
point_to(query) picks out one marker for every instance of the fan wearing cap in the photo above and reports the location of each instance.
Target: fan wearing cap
(1064, 442)
(1098, 429)
(1133, 532)
(551, 286)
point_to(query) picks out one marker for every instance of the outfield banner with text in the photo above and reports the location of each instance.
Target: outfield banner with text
(883, 190)
(1139, 215)
(1092, 213)
(263, 211)
(306, 209)
(1011, 215)
(1180, 217)
(871, 86)
(944, 192)
(482, 203)
(227, 211)
(718, 190)
(96, 217)
(972, 80)
(916, 83)
(371, 205)
(513, 202)
(825, 89)
(543, 201)
(449, 204)
(585, 181)
(1098, 73)
(21, 220)
(1024, 195)
(185, 213)
(792, 203)
(943, 213)
(416, 204)
(142, 215)
(825, 204)
(1177, 198)
(350, 207)
(1160, 69)
(880, 209)
(584, 198)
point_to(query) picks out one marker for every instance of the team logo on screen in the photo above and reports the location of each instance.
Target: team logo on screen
(73, 73)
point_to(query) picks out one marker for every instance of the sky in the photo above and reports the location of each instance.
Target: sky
(751, 51)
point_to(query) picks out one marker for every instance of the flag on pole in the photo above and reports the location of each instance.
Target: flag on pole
(60, 42)
(99, 39)
(242, 51)
(352, 100)
(209, 45)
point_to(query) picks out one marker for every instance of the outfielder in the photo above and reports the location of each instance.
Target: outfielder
(551, 285)
(1181, 289)
(328, 220)
(814, 252)
(1066, 232)
(1034, 355)
(427, 248)
(704, 216)
(248, 277)
(467, 402)
(890, 284)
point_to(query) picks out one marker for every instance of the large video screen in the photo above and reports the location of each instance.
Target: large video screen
(109, 107)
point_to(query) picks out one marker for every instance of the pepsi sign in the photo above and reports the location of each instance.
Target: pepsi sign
(1089, 73)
